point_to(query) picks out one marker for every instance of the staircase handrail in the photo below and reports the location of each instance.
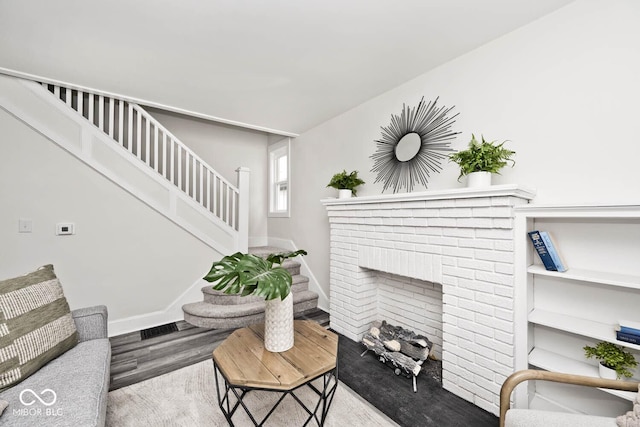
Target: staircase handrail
(123, 121)
(179, 142)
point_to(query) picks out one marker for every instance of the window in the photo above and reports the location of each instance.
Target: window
(279, 191)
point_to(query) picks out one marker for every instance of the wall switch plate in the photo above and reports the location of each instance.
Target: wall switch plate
(65, 229)
(25, 225)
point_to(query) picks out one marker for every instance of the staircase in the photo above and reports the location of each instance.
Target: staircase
(200, 200)
(219, 310)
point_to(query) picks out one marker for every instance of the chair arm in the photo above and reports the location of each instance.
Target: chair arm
(532, 374)
(91, 322)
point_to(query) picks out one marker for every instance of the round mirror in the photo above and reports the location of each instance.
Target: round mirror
(408, 146)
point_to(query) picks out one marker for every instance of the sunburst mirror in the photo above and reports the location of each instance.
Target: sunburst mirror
(413, 145)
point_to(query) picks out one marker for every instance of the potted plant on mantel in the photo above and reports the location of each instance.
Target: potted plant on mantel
(248, 274)
(614, 360)
(481, 160)
(345, 183)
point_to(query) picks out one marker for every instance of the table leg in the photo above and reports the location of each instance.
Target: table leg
(319, 412)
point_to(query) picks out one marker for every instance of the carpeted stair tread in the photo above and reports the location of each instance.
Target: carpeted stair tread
(266, 250)
(211, 296)
(239, 322)
(263, 251)
(204, 309)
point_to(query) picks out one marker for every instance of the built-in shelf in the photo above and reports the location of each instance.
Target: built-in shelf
(600, 277)
(554, 362)
(543, 403)
(576, 325)
(557, 313)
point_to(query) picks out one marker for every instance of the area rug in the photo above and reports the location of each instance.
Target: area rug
(187, 397)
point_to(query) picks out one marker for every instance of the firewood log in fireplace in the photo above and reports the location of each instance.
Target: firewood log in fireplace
(399, 348)
(395, 358)
(411, 344)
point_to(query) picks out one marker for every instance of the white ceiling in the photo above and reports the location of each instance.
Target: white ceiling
(285, 65)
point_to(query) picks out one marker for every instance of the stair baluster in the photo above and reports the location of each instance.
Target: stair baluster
(124, 124)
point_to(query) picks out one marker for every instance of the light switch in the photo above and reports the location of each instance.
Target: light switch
(25, 225)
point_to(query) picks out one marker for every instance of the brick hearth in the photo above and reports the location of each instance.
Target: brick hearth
(437, 262)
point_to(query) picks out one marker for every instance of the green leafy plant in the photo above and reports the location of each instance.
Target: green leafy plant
(612, 356)
(482, 157)
(248, 274)
(346, 181)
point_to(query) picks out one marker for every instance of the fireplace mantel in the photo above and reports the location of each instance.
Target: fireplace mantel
(456, 193)
(396, 256)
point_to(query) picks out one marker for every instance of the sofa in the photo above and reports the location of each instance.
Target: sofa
(70, 390)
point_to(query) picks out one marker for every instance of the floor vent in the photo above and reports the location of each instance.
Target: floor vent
(156, 331)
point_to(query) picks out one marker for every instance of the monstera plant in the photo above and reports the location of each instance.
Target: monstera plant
(248, 274)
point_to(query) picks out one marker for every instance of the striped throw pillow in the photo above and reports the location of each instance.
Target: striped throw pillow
(35, 324)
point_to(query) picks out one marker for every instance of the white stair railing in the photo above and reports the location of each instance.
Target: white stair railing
(144, 137)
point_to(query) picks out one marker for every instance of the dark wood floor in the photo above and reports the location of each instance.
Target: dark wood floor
(134, 360)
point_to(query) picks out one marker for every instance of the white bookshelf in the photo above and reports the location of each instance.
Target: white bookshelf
(577, 325)
(557, 314)
(601, 277)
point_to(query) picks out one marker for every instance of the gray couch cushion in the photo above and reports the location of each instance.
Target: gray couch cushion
(80, 381)
(91, 322)
(534, 418)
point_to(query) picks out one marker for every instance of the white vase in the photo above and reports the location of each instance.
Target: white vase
(344, 194)
(607, 373)
(278, 324)
(479, 179)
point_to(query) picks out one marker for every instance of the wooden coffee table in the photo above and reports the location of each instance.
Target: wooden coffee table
(245, 365)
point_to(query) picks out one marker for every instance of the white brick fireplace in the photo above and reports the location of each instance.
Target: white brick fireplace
(437, 262)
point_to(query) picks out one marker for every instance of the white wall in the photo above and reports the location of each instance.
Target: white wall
(124, 254)
(564, 89)
(226, 148)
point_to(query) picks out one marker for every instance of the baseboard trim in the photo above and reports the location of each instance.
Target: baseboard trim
(258, 241)
(172, 313)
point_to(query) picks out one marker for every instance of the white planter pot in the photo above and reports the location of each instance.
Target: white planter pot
(607, 373)
(479, 179)
(344, 194)
(278, 324)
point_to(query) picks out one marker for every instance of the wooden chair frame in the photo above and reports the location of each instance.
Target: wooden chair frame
(532, 374)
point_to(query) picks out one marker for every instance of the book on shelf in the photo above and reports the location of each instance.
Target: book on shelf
(542, 250)
(561, 266)
(629, 327)
(630, 338)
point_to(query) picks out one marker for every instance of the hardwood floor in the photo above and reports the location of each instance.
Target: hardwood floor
(134, 360)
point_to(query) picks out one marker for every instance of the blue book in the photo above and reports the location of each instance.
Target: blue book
(555, 256)
(628, 327)
(542, 250)
(630, 338)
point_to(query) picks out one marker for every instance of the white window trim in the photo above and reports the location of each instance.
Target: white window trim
(284, 145)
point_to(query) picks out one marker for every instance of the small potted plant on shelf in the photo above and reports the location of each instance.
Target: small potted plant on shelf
(345, 183)
(248, 274)
(614, 360)
(481, 160)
